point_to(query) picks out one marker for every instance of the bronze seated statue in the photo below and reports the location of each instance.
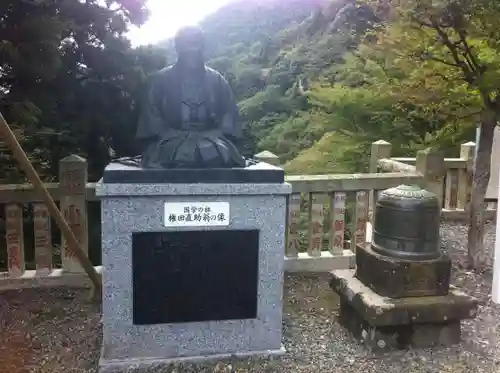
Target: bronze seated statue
(189, 118)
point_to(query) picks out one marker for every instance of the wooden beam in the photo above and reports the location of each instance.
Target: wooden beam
(23, 193)
(350, 182)
(449, 163)
(391, 165)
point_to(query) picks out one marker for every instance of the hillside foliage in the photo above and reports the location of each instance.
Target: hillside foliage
(69, 78)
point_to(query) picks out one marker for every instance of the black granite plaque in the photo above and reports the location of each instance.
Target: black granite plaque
(189, 276)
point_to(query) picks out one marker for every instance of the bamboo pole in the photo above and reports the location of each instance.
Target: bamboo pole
(73, 244)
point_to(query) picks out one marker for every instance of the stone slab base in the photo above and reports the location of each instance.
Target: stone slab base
(397, 336)
(144, 364)
(383, 323)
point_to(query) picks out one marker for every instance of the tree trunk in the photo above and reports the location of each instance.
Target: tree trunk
(475, 245)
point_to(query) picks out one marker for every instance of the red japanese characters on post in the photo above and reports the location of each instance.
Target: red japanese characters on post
(13, 232)
(338, 225)
(316, 243)
(316, 235)
(73, 216)
(42, 233)
(71, 182)
(14, 258)
(338, 241)
(316, 228)
(41, 227)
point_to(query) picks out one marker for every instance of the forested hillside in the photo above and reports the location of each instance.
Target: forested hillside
(69, 79)
(313, 87)
(271, 52)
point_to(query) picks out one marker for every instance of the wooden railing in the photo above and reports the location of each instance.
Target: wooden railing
(449, 178)
(327, 214)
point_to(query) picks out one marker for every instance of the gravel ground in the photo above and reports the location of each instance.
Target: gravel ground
(57, 330)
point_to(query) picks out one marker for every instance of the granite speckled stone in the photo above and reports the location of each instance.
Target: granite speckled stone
(128, 208)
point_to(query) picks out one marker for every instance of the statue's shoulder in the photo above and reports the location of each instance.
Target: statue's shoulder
(215, 75)
(159, 80)
(165, 72)
(212, 72)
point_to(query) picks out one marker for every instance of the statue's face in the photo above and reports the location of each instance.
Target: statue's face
(190, 50)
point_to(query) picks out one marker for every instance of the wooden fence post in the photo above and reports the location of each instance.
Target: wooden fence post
(14, 235)
(430, 163)
(292, 234)
(316, 223)
(337, 219)
(72, 183)
(467, 152)
(360, 218)
(380, 149)
(43, 239)
(268, 157)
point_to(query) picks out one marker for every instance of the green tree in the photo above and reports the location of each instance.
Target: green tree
(449, 51)
(373, 97)
(69, 78)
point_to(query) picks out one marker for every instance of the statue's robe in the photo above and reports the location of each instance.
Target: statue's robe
(189, 122)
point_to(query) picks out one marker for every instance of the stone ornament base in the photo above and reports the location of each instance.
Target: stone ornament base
(399, 278)
(383, 323)
(146, 364)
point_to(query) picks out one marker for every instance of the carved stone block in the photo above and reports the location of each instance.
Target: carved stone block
(398, 278)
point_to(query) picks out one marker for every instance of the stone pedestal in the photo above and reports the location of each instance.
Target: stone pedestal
(382, 323)
(400, 294)
(191, 269)
(389, 303)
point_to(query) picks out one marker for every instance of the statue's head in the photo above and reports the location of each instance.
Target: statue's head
(189, 45)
